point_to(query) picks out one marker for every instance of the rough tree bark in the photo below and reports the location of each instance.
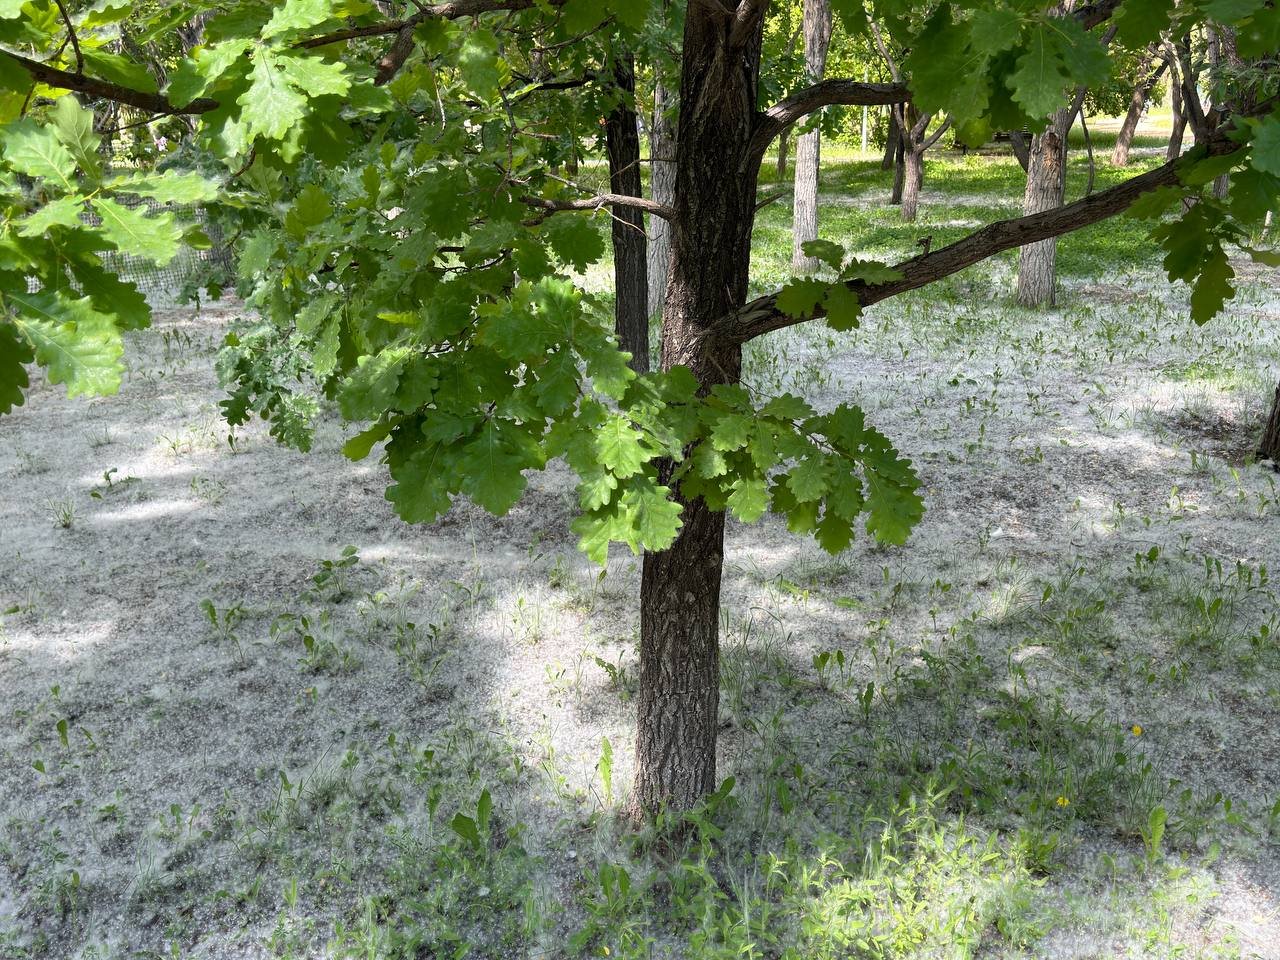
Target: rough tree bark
(630, 257)
(912, 181)
(1269, 448)
(817, 38)
(714, 208)
(1046, 187)
(662, 185)
(1137, 104)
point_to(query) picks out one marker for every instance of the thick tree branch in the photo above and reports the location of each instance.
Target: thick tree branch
(602, 200)
(105, 89)
(762, 315)
(824, 93)
(455, 10)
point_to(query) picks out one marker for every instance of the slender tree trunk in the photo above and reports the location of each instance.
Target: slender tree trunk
(817, 37)
(899, 162)
(891, 142)
(1046, 186)
(1021, 149)
(912, 181)
(784, 144)
(1179, 122)
(662, 185)
(1269, 448)
(630, 258)
(1137, 104)
(677, 703)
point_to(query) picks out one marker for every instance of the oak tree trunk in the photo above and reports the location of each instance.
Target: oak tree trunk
(1137, 105)
(912, 181)
(678, 698)
(1269, 448)
(817, 38)
(662, 186)
(630, 257)
(1046, 186)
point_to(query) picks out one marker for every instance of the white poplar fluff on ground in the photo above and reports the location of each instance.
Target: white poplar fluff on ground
(1053, 447)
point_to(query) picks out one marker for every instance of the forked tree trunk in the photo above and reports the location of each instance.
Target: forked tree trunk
(817, 37)
(662, 185)
(678, 698)
(1137, 105)
(1046, 185)
(1269, 448)
(630, 257)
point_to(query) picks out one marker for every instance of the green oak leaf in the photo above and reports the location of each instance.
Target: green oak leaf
(73, 125)
(271, 106)
(749, 498)
(14, 352)
(844, 310)
(315, 77)
(133, 232)
(36, 151)
(297, 15)
(834, 533)
(491, 465)
(800, 298)
(63, 212)
(1212, 288)
(828, 251)
(170, 186)
(79, 346)
(1040, 77)
(618, 445)
(1266, 145)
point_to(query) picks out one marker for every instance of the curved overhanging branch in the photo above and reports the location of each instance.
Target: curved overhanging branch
(762, 314)
(78, 82)
(824, 93)
(602, 200)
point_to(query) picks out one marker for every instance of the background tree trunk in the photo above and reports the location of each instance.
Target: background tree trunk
(1174, 149)
(817, 38)
(1137, 104)
(784, 144)
(715, 197)
(1269, 448)
(1021, 148)
(630, 258)
(1046, 186)
(662, 186)
(891, 142)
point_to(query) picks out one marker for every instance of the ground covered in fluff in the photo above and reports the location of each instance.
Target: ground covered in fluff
(247, 712)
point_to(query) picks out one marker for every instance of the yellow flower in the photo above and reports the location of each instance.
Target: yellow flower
(1063, 802)
(1136, 730)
